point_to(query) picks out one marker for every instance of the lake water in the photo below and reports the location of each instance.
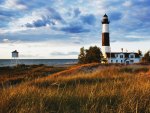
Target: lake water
(49, 62)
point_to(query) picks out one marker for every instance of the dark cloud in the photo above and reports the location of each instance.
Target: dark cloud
(114, 16)
(54, 14)
(79, 25)
(40, 23)
(88, 19)
(48, 19)
(7, 15)
(74, 29)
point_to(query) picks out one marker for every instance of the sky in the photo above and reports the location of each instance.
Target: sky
(57, 29)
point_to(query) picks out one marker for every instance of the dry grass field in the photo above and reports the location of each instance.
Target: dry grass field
(90, 88)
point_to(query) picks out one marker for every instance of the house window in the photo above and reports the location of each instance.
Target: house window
(116, 61)
(116, 55)
(111, 61)
(132, 61)
(121, 61)
(121, 56)
(131, 56)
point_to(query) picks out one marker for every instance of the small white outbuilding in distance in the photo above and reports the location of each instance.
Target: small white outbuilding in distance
(15, 54)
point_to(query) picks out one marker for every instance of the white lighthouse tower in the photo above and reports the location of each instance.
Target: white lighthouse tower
(105, 36)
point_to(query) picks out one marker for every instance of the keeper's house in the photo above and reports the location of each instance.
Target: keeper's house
(123, 57)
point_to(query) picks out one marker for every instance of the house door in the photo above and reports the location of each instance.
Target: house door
(127, 62)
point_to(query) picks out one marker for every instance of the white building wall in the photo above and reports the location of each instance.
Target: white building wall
(14, 54)
(123, 60)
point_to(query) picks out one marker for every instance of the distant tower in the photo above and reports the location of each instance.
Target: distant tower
(105, 35)
(15, 55)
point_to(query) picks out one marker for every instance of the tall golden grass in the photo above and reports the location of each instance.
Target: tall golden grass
(21, 73)
(104, 89)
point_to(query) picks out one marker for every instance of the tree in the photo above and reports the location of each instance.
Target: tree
(146, 57)
(140, 52)
(81, 56)
(93, 54)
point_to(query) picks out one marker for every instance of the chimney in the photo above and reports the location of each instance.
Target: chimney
(122, 50)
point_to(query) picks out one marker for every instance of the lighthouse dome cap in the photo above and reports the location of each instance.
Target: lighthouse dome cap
(105, 15)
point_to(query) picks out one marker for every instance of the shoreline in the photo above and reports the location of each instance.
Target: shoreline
(47, 62)
(56, 65)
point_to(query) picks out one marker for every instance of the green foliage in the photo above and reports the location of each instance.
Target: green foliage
(82, 56)
(146, 57)
(140, 52)
(93, 54)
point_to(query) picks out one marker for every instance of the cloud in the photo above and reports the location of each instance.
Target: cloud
(7, 13)
(77, 40)
(75, 29)
(127, 3)
(14, 4)
(49, 17)
(60, 20)
(29, 55)
(54, 14)
(64, 54)
(113, 41)
(81, 24)
(5, 40)
(41, 22)
(77, 12)
(6, 16)
(88, 19)
(114, 16)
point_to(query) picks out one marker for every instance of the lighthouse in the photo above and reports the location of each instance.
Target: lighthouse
(115, 57)
(105, 35)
